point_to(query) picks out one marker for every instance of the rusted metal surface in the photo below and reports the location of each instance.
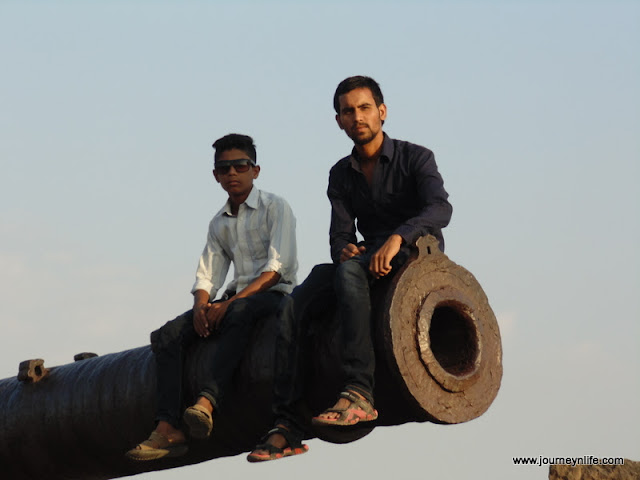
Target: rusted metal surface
(443, 338)
(78, 357)
(439, 359)
(32, 370)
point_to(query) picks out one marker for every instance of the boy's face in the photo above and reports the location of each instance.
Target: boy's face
(233, 182)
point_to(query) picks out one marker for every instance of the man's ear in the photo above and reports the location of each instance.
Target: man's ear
(215, 175)
(383, 111)
(339, 122)
(256, 171)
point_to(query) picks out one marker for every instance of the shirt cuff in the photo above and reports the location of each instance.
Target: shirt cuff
(272, 265)
(206, 286)
(409, 234)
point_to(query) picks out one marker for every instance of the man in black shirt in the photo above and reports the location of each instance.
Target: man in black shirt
(393, 190)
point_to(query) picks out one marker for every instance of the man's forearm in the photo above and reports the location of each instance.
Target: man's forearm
(430, 218)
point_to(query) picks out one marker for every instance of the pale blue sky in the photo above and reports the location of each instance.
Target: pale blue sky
(107, 114)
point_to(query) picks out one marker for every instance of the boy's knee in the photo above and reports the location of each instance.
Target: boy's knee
(172, 330)
(286, 303)
(238, 309)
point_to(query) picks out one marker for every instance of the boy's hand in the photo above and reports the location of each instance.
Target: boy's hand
(200, 323)
(215, 314)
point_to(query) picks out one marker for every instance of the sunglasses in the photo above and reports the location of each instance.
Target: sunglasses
(241, 165)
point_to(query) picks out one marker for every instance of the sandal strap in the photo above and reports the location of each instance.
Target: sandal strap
(337, 410)
(358, 402)
(350, 396)
(269, 448)
(156, 440)
(293, 441)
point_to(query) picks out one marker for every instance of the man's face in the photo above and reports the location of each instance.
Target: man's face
(232, 181)
(359, 116)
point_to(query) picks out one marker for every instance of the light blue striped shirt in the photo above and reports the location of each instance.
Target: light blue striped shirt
(261, 238)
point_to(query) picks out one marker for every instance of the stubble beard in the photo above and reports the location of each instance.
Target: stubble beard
(364, 137)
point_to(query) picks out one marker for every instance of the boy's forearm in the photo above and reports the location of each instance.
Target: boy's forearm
(264, 282)
(200, 297)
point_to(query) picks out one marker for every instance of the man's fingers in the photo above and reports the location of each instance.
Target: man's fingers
(350, 251)
(373, 267)
(379, 266)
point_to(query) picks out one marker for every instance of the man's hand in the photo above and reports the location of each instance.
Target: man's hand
(215, 314)
(349, 251)
(200, 323)
(380, 264)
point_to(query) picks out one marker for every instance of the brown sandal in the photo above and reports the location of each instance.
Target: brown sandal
(360, 410)
(294, 447)
(155, 447)
(199, 421)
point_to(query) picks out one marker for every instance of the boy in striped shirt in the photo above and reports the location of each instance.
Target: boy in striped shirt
(255, 231)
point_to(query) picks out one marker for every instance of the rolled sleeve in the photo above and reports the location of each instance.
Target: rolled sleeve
(282, 254)
(212, 267)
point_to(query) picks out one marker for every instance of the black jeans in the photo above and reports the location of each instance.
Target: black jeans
(347, 286)
(175, 337)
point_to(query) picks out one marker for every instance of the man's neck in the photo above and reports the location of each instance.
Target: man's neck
(369, 152)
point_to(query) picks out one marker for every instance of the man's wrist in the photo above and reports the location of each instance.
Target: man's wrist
(395, 238)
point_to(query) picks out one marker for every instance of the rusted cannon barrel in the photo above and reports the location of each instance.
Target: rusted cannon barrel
(439, 359)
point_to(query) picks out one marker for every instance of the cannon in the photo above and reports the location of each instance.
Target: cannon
(438, 354)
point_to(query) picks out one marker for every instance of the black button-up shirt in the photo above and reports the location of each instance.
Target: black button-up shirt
(407, 197)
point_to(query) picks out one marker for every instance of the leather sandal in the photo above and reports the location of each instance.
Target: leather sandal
(155, 447)
(360, 410)
(198, 421)
(295, 447)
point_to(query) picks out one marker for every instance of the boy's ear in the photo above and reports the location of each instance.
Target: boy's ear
(215, 175)
(256, 171)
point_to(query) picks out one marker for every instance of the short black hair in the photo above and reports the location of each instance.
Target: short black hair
(235, 140)
(352, 83)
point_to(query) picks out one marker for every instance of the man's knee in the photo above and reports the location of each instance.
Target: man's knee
(351, 274)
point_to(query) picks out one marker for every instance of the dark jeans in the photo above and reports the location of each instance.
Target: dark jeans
(347, 286)
(176, 336)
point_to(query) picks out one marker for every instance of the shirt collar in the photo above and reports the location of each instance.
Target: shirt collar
(251, 201)
(386, 155)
